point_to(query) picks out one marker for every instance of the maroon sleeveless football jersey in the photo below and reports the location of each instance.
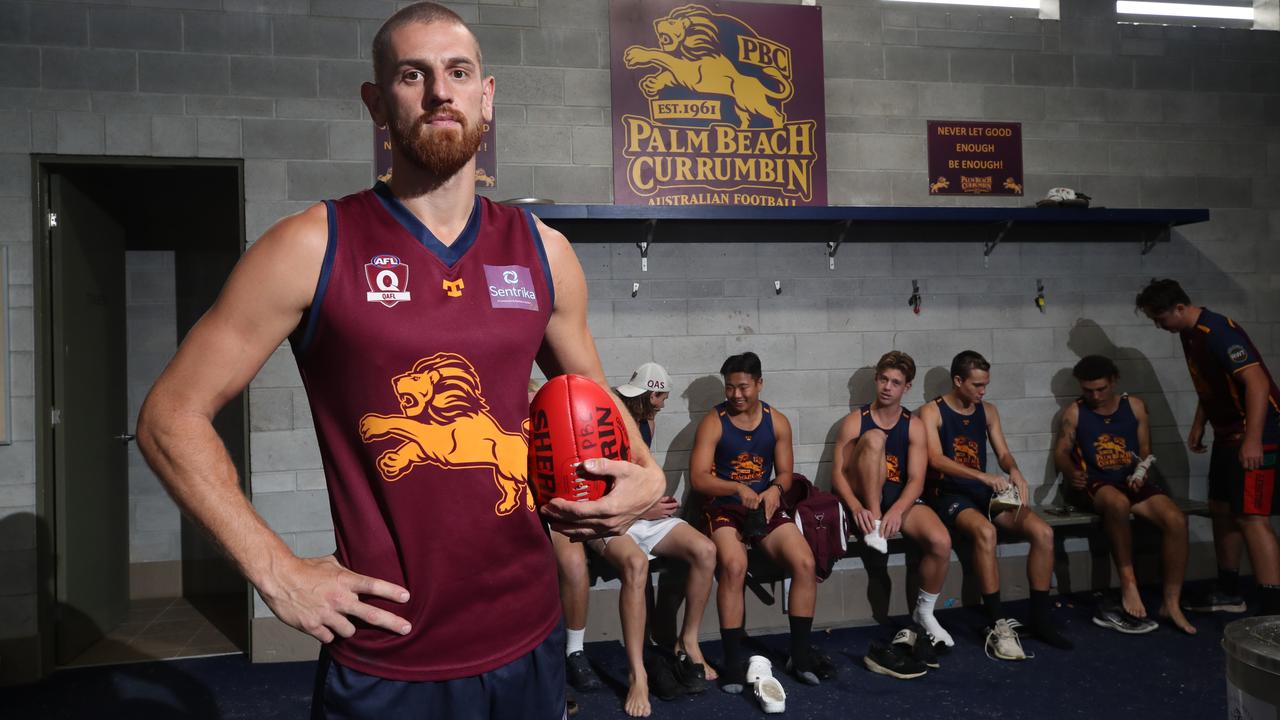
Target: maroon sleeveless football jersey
(416, 359)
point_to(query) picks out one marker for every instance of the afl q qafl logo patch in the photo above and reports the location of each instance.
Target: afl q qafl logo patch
(388, 280)
(1237, 353)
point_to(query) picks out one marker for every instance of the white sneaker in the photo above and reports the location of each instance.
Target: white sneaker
(1007, 499)
(875, 541)
(773, 699)
(935, 630)
(1002, 640)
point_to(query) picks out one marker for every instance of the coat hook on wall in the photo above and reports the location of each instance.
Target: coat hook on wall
(650, 227)
(1040, 295)
(915, 300)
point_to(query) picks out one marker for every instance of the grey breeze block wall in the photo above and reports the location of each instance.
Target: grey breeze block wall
(1136, 116)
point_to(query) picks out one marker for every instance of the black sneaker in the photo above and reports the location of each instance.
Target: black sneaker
(662, 681)
(579, 673)
(894, 661)
(914, 641)
(1213, 601)
(692, 676)
(822, 664)
(1113, 617)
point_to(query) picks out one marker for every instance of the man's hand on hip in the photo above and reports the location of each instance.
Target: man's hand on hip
(319, 596)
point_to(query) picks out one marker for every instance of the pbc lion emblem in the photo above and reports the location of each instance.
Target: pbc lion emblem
(690, 55)
(445, 421)
(747, 467)
(966, 452)
(714, 94)
(893, 468)
(1111, 452)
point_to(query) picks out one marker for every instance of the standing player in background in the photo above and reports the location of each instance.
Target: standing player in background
(1240, 400)
(880, 459)
(658, 534)
(440, 600)
(958, 426)
(742, 463)
(1102, 437)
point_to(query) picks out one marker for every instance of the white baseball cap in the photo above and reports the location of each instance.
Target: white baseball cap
(649, 377)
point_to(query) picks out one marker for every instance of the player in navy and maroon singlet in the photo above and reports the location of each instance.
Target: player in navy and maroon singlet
(1240, 400)
(958, 426)
(415, 311)
(877, 470)
(1103, 435)
(742, 463)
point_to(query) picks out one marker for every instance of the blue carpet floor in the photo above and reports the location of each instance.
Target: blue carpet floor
(1162, 675)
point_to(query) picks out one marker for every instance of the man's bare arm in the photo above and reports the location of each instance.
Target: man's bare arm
(259, 306)
(932, 419)
(1063, 448)
(569, 348)
(1144, 425)
(702, 460)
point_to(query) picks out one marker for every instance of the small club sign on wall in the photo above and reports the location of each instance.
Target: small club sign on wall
(975, 158)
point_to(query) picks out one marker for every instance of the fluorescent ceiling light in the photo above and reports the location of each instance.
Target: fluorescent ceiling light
(1028, 4)
(1134, 7)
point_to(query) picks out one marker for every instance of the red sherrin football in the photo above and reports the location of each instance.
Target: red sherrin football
(573, 419)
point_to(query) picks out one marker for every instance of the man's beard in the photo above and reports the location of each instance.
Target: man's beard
(442, 153)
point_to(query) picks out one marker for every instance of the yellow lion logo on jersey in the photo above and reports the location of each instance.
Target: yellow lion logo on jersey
(445, 421)
(966, 452)
(1111, 452)
(893, 468)
(747, 467)
(690, 55)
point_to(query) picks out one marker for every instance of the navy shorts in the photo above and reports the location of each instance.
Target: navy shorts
(890, 493)
(1248, 492)
(949, 505)
(531, 686)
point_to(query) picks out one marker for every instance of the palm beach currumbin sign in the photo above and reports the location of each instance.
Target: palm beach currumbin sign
(717, 104)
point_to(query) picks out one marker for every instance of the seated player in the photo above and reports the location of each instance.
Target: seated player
(575, 586)
(661, 535)
(1095, 452)
(880, 460)
(958, 426)
(742, 464)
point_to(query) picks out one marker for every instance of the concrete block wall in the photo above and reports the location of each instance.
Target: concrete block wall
(1137, 116)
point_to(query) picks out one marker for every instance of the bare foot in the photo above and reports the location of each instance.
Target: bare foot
(695, 654)
(1171, 612)
(1132, 601)
(637, 703)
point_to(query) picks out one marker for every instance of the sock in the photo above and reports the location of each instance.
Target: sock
(575, 640)
(1270, 599)
(800, 629)
(1229, 581)
(732, 676)
(923, 616)
(991, 601)
(1041, 626)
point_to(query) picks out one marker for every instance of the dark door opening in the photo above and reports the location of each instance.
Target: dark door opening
(135, 253)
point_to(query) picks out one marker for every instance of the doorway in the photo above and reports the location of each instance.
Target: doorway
(130, 253)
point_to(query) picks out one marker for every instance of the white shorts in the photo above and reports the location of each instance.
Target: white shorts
(646, 533)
